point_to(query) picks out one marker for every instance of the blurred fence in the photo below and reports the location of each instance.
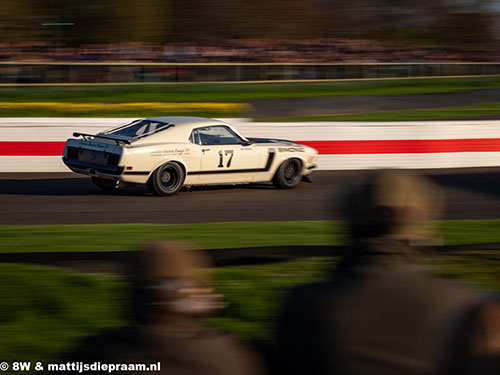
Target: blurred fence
(26, 73)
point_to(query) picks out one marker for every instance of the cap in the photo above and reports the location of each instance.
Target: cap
(393, 203)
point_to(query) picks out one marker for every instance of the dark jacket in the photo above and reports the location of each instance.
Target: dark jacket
(181, 349)
(381, 313)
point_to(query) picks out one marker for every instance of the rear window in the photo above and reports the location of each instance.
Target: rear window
(140, 128)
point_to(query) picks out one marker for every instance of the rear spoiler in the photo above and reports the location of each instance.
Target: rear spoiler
(117, 140)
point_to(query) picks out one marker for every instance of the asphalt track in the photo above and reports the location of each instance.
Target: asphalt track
(338, 105)
(63, 198)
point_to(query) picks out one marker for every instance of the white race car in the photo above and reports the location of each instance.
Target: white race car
(168, 152)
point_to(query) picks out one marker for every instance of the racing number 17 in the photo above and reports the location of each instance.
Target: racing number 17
(229, 153)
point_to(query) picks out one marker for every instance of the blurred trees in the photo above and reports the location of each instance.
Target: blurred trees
(445, 22)
(215, 20)
(80, 22)
(16, 20)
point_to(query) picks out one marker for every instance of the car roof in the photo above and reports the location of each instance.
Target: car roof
(186, 120)
(182, 129)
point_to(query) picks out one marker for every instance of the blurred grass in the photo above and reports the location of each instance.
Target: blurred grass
(255, 293)
(446, 113)
(141, 109)
(224, 92)
(46, 311)
(458, 232)
(119, 237)
(112, 100)
(116, 237)
(480, 268)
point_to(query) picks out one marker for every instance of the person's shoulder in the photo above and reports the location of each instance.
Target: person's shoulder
(209, 345)
(97, 346)
(301, 301)
(485, 327)
(311, 290)
(475, 347)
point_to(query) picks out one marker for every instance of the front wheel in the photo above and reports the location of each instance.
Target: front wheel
(288, 174)
(167, 179)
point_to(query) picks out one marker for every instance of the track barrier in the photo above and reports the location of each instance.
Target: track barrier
(35, 144)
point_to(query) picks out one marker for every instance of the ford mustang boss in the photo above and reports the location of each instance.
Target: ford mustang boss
(168, 152)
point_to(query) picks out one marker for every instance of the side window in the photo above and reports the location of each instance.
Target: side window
(218, 135)
(195, 137)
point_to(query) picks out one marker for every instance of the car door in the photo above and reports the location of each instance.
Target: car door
(225, 156)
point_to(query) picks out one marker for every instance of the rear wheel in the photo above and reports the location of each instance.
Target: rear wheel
(106, 185)
(167, 179)
(289, 174)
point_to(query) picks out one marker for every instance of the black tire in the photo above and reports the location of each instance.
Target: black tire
(288, 175)
(167, 179)
(106, 185)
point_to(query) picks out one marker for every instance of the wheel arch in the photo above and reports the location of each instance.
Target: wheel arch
(282, 160)
(165, 161)
(175, 176)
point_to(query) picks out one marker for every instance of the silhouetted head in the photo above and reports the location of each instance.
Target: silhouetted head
(392, 203)
(172, 279)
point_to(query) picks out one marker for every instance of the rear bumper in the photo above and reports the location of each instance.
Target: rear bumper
(94, 170)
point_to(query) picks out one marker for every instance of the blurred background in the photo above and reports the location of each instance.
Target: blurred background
(287, 60)
(266, 31)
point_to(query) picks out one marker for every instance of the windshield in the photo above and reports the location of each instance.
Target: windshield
(139, 128)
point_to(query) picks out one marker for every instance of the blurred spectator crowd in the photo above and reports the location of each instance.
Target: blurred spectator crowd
(241, 51)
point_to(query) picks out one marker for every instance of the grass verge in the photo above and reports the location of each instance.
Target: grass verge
(136, 100)
(221, 92)
(118, 237)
